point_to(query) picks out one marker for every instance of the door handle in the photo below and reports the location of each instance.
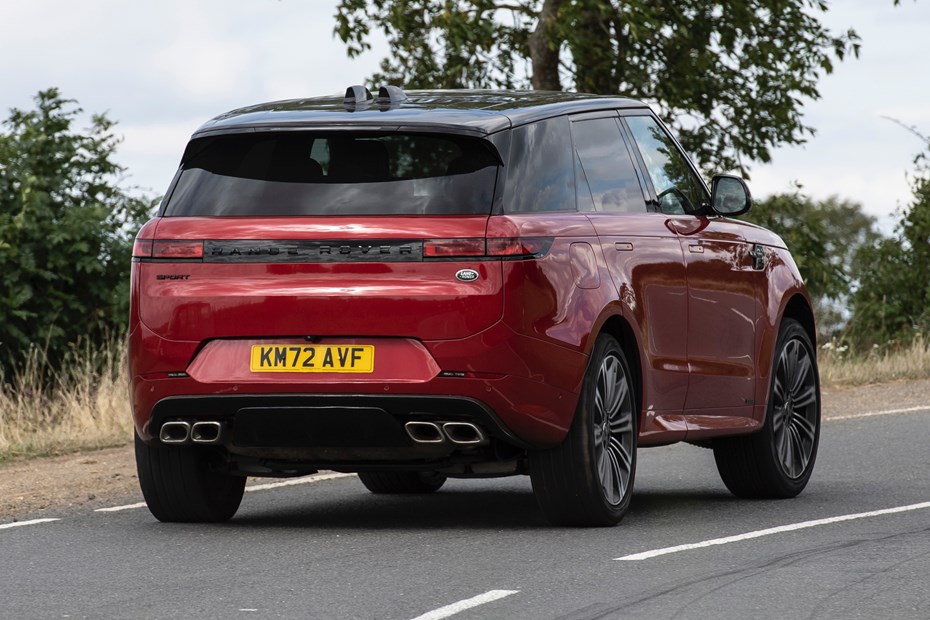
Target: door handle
(623, 246)
(696, 248)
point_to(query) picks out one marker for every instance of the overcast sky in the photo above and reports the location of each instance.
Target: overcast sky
(160, 69)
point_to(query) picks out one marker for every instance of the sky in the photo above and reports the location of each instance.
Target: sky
(162, 68)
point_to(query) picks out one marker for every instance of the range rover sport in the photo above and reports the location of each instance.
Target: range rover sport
(432, 284)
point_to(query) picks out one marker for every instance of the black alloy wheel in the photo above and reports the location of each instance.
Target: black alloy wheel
(795, 408)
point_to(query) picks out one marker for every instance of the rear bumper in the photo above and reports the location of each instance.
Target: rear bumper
(523, 388)
(516, 411)
(327, 420)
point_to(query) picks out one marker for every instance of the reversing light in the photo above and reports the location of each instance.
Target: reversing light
(443, 248)
(177, 249)
(519, 246)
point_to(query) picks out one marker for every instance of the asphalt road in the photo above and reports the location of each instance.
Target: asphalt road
(329, 549)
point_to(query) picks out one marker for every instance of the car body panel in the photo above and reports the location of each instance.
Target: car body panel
(723, 295)
(648, 271)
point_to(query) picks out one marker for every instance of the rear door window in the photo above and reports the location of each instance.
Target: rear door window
(606, 177)
(304, 173)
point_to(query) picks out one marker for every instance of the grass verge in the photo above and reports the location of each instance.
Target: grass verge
(840, 368)
(84, 406)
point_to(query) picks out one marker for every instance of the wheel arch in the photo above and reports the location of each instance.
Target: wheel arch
(796, 306)
(618, 327)
(799, 309)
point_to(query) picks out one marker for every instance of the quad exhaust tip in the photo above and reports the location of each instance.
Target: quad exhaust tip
(180, 432)
(459, 433)
(175, 432)
(210, 431)
(463, 433)
(424, 432)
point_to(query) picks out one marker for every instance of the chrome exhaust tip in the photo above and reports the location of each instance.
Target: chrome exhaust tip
(464, 433)
(210, 432)
(174, 432)
(424, 432)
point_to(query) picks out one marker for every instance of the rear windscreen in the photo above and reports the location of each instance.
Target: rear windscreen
(304, 173)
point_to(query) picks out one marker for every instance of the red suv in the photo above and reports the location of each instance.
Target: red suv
(436, 284)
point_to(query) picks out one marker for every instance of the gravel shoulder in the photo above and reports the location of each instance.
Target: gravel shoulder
(108, 477)
(86, 478)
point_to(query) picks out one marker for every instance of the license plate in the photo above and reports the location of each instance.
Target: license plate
(312, 358)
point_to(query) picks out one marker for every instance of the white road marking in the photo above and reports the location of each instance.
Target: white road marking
(460, 606)
(873, 414)
(5, 526)
(118, 508)
(257, 487)
(645, 555)
(294, 481)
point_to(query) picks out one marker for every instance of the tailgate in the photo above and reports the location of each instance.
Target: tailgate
(281, 277)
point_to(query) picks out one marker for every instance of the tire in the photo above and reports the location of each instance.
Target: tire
(777, 462)
(588, 479)
(179, 485)
(401, 482)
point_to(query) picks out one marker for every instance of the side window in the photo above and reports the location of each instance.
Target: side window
(678, 188)
(540, 175)
(607, 166)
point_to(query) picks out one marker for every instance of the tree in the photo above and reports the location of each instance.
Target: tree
(824, 237)
(66, 230)
(892, 302)
(729, 77)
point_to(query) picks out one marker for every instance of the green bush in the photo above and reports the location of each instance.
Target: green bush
(66, 229)
(892, 302)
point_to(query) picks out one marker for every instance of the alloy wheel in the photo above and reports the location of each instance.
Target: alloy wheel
(613, 429)
(795, 408)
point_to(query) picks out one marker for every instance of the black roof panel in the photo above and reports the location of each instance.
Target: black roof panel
(471, 111)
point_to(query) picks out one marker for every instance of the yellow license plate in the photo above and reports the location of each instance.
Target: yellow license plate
(312, 358)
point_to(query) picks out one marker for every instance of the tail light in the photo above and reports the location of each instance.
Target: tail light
(142, 248)
(504, 247)
(147, 248)
(177, 249)
(519, 247)
(444, 248)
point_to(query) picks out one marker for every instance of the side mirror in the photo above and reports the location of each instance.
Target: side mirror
(729, 195)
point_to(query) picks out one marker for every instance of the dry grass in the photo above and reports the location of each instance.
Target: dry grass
(839, 368)
(85, 406)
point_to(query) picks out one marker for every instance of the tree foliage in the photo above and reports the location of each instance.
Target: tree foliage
(66, 229)
(729, 77)
(892, 302)
(825, 238)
